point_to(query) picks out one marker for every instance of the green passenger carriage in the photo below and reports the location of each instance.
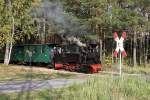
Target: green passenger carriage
(36, 53)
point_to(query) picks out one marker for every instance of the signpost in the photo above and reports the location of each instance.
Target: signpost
(119, 48)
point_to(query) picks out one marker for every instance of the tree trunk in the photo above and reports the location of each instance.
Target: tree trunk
(146, 52)
(11, 42)
(44, 29)
(134, 50)
(38, 32)
(6, 58)
(131, 51)
(112, 56)
(100, 44)
(9, 46)
(141, 56)
(144, 49)
(104, 48)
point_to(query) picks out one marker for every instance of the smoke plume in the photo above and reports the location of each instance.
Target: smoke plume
(77, 41)
(54, 13)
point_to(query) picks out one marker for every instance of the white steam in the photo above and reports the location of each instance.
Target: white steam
(76, 40)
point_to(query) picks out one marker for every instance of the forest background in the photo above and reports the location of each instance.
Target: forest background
(87, 19)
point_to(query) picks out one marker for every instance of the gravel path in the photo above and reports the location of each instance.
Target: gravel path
(30, 85)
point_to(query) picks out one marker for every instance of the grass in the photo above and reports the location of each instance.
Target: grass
(15, 73)
(137, 70)
(127, 69)
(95, 88)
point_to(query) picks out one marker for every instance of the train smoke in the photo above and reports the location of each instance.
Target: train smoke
(77, 41)
(55, 14)
(65, 24)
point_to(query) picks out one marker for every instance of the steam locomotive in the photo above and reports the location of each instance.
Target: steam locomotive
(73, 57)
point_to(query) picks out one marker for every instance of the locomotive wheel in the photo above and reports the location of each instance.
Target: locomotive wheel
(72, 67)
(85, 69)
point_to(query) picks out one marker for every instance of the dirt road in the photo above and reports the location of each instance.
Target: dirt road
(30, 85)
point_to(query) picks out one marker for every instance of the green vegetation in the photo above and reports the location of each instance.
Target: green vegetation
(127, 69)
(16, 73)
(96, 88)
(137, 70)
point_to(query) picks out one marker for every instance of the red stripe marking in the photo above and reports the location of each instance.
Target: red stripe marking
(115, 35)
(58, 66)
(115, 54)
(95, 68)
(124, 35)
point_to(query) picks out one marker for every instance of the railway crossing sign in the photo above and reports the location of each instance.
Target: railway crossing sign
(120, 44)
(119, 47)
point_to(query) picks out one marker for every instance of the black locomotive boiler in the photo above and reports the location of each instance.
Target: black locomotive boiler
(73, 57)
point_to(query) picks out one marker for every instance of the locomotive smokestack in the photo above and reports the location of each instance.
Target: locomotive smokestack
(76, 40)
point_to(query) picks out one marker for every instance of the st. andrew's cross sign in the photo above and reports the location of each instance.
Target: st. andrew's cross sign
(120, 44)
(120, 47)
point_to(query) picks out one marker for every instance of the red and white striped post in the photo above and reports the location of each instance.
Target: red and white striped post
(119, 48)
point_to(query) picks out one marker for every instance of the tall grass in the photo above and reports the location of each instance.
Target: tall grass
(110, 88)
(99, 88)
